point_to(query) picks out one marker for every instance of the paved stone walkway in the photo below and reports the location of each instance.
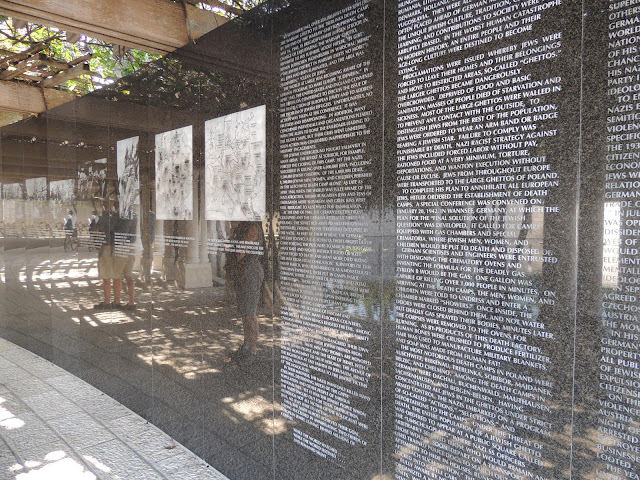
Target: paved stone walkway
(55, 426)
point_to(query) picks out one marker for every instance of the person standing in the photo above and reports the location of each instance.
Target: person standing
(92, 221)
(246, 269)
(70, 231)
(68, 222)
(110, 269)
(92, 225)
(127, 235)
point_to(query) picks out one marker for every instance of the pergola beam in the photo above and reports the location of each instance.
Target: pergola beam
(17, 57)
(7, 118)
(27, 100)
(18, 69)
(44, 60)
(69, 74)
(156, 26)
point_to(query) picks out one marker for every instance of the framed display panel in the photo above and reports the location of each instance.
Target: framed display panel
(235, 166)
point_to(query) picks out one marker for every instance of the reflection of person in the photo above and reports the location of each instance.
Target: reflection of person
(93, 220)
(69, 222)
(110, 268)
(128, 277)
(246, 270)
(101, 176)
(70, 231)
(127, 229)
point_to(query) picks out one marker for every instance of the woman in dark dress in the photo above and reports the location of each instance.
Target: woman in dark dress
(245, 266)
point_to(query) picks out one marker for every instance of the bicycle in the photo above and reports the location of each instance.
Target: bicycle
(71, 240)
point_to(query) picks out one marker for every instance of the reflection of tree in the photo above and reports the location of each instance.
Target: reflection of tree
(170, 82)
(58, 49)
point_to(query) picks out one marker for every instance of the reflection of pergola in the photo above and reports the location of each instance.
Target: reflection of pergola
(29, 79)
(56, 143)
(38, 69)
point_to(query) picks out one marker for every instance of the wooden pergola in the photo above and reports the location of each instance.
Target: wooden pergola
(29, 80)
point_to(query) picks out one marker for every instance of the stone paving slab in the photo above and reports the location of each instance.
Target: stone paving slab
(54, 425)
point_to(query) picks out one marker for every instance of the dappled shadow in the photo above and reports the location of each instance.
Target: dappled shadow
(40, 461)
(168, 361)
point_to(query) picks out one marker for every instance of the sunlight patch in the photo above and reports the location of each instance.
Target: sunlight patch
(65, 469)
(252, 409)
(113, 318)
(97, 463)
(55, 456)
(8, 420)
(12, 423)
(276, 426)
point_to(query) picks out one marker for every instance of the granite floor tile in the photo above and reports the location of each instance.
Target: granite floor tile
(116, 461)
(154, 446)
(5, 363)
(44, 370)
(63, 468)
(94, 401)
(80, 430)
(40, 452)
(127, 425)
(106, 413)
(187, 467)
(20, 356)
(27, 430)
(50, 404)
(53, 425)
(82, 393)
(11, 405)
(28, 386)
(6, 346)
(8, 462)
(12, 374)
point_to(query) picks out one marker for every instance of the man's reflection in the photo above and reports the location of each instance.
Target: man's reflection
(114, 264)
